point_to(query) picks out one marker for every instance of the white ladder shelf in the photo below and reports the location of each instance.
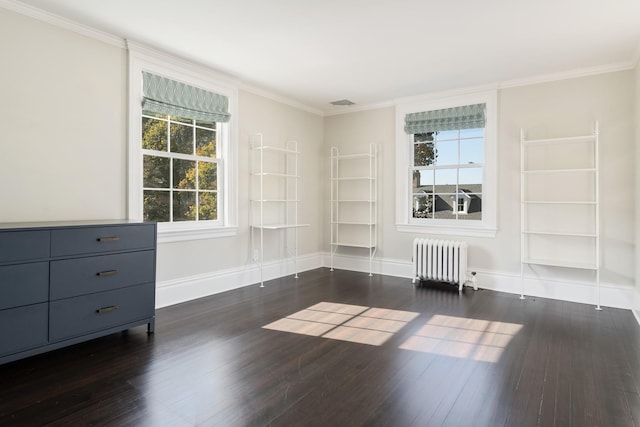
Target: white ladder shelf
(559, 210)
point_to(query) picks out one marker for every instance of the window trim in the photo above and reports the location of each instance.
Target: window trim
(142, 58)
(486, 227)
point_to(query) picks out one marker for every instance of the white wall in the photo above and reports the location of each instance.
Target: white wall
(63, 115)
(558, 108)
(63, 157)
(63, 153)
(214, 264)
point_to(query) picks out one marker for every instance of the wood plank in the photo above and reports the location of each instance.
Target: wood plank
(211, 362)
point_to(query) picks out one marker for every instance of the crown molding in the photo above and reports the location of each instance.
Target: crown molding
(573, 74)
(279, 98)
(544, 78)
(58, 21)
(434, 96)
(179, 63)
(76, 27)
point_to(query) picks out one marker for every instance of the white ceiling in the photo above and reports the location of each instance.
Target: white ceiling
(373, 51)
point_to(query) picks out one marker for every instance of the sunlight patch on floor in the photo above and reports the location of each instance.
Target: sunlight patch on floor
(476, 339)
(345, 322)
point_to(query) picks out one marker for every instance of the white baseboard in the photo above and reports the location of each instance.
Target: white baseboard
(611, 295)
(175, 291)
(188, 288)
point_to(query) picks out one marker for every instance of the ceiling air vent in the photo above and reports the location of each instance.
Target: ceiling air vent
(342, 102)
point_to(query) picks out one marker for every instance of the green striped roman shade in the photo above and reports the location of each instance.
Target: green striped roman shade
(463, 117)
(166, 96)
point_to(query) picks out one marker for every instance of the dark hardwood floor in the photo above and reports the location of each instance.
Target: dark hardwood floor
(477, 359)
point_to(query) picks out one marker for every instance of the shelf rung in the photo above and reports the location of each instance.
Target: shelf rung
(352, 178)
(561, 139)
(553, 233)
(282, 175)
(557, 202)
(278, 226)
(275, 148)
(543, 171)
(275, 200)
(354, 245)
(556, 263)
(353, 201)
(352, 156)
(352, 223)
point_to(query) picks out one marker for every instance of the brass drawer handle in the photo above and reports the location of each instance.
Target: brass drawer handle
(104, 310)
(108, 239)
(107, 273)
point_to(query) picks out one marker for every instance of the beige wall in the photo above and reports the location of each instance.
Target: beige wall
(63, 114)
(63, 153)
(63, 144)
(550, 109)
(278, 123)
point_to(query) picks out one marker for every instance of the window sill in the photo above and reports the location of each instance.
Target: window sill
(168, 233)
(447, 230)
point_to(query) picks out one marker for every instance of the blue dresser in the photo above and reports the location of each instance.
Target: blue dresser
(62, 283)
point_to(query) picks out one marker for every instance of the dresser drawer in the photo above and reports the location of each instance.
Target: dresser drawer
(24, 284)
(23, 245)
(79, 241)
(81, 315)
(80, 276)
(23, 328)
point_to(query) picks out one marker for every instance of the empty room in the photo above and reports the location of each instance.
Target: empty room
(285, 213)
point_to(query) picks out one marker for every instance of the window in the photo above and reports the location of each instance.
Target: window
(180, 168)
(445, 158)
(447, 166)
(182, 154)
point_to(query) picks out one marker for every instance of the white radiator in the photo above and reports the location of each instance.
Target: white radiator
(440, 260)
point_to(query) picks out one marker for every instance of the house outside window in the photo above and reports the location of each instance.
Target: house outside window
(445, 158)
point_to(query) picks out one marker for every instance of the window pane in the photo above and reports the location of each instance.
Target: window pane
(152, 114)
(207, 176)
(181, 138)
(205, 143)
(208, 209)
(181, 120)
(423, 154)
(471, 176)
(475, 209)
(422, 206)
(447, 152)
(446, 177)
(422, 179)
(206, 124)
(155, 172)
(184, 174)
(154, 134)
(472, 151)
(447, 135)
(444, 205)
(156, 206)
(184, 206)
(423, 137)
(472, 133)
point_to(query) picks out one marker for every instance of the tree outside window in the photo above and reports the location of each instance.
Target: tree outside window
(180, 169)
